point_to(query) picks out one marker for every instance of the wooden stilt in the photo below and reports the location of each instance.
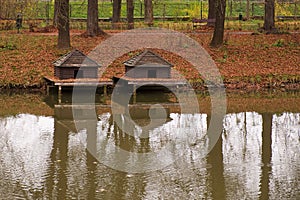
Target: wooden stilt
(104, 93)
(48, 89)
(105, 90)
(59, 94)
(134, 94)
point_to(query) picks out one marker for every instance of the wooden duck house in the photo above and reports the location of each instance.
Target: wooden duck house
(148, 65)
(149, 70)
(75, 65)
(75, 68)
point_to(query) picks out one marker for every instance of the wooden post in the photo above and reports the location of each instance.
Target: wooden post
(104, 93)
(48, 89)
(134, 94)
(177, 89)
(59, 94)
(105, 90)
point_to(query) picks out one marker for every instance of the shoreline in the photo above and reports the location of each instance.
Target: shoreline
(18, 102)
(197, 86)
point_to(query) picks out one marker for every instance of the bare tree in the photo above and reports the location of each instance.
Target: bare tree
(148, 12)
(63, 24)
(55, 15)
(93, 28)
(130, 14)
(211, 12)
(218, 35)
(269, 22)
(116, 12)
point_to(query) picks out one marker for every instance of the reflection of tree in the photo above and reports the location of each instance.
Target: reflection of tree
(215, 159)
(122, 139)
(125, 139)
(242, 153)
(266, 155)
(58, 163)
(285, 156)
(91, 164)
(91, 161)
(57, 181)
(126, 185)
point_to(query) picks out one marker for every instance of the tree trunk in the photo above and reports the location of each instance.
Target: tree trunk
(148, 12)
(248, 10)
(63, 24)
(92, 19)
(218, 35)
(295, 9)
(130, 14)
(116, 13)
(269, 24)
(55, 15)
(211, 12)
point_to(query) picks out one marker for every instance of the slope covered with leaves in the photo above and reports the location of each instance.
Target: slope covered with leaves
(245, 60)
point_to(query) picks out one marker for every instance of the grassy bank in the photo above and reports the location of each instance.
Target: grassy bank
(246, 61)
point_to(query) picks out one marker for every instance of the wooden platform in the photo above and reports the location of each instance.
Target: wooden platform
(53, 81)
(154, 81)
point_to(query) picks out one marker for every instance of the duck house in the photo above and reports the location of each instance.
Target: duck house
(147, 70)
(75, 68)
(75, 65)
(148, 65)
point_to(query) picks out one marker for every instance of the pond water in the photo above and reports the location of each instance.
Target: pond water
(44, 153)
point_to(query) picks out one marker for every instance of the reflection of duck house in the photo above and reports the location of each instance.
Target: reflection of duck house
(148, 68)
(148, 116)
(74, 117)
(141, 116)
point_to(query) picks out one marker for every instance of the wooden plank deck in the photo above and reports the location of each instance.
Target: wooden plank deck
(78, 82)
(154, 81)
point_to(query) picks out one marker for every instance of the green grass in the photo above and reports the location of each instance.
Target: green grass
(167, 8)
(172, 8)
(250, 25)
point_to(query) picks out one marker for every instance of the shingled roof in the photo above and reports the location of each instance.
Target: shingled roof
(147, 58)
(75, 58)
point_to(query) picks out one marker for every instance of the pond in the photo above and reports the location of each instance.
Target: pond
(46, 155)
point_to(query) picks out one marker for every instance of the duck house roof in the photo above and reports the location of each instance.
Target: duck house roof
(147, 58)
(75, 58)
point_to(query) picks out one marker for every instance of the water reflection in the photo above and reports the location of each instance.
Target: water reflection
(242, 150)
(285, 148)
(25, 144)
(257, 156)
